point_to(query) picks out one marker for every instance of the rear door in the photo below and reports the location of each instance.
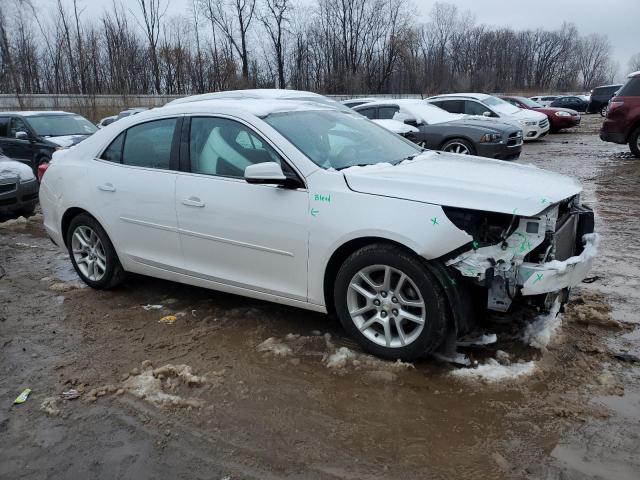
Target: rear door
(235, 233)
(451, 106)
(134, 186)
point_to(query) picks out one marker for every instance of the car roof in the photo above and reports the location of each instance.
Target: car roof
(35, 113)
(633, 74)
(475, 96)
(360, 99)
(258, 93)
(257, 107)
(609, 86)
(395, 101)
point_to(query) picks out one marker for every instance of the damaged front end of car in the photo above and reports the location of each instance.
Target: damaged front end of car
(535, 259)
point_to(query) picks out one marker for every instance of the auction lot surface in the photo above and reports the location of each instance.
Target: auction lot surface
(204, 397)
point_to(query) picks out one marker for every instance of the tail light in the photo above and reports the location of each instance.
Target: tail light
(613, 104)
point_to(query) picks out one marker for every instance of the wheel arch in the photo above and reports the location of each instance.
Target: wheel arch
(454, 136)
(341, 254)
(69, 215)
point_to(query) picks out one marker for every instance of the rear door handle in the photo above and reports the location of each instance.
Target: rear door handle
(192, 202)
(107, 187)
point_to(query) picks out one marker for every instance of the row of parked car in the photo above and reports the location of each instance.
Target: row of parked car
(474, 124)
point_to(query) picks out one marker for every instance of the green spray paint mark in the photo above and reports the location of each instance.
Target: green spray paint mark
(543, 200)
(314, 212)
(538, 278)
(515, 210)
(434, 221)
(475, 245)
(470, 271)
(318, 197)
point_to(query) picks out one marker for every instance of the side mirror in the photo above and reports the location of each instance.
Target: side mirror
(22, 136)
(406, 119)
(486, 114)
(269, 173)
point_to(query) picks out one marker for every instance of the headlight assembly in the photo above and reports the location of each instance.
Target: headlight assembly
(563, 114)
(486, 228)
(490, 137)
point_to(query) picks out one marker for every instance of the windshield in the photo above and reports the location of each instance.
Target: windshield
(500, 105)
(60, 125)
(334, 139)
(430, 114)
(528, 102)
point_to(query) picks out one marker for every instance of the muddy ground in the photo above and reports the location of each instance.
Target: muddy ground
(206, 397)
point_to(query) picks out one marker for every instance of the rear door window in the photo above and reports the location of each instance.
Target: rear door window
(368, 112)
(17, 125)
(475, 108)
(149, 144)
(113, 153)
(387, 113)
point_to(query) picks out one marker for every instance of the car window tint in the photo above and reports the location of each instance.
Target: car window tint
(451, 106)
(113, 153)
(631, 88)
(149, 144)
(475, 108)
(219, 146)
(4, 126)
(17, 125)
(368, 112)
(387, 113)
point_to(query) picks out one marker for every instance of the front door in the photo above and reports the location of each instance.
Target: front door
(236, 233)
(15, 148)
(134, 186)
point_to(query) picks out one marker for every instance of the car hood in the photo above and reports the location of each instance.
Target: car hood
(465, 181)
(67, 140)
(552, 110)
(396, 127)
(10, 169)
(530, 115)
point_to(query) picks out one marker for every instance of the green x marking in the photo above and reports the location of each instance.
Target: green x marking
(434, 221)
(538, 278)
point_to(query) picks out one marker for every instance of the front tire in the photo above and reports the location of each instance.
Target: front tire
(459, 146)
(634, 142)
(390, 304)
(92, 253)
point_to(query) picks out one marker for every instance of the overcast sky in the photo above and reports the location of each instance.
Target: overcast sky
(618, 19)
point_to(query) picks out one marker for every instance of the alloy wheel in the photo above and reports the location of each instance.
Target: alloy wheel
(88, 253)
(386, 306)
(456, 147)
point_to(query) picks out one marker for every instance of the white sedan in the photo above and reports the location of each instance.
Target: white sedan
(307, 205)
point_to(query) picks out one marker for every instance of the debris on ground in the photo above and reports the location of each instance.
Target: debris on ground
(22, 397)
(50, 406)
(65, 286)
(71, 394)
(494, 371)
(13, 222)
(152, 307)
(456, 358)
(169, 319)
(589, 308)
(626, 357)
(542, 330)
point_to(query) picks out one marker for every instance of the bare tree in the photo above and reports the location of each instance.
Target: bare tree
(152, 13)
(593, 54)
(7, 58)
(275, 20)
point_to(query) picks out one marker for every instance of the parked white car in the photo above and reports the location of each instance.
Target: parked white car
(535, 125)
(544, 100)
(310, 206)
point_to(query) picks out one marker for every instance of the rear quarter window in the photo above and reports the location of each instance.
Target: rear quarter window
(4, 126)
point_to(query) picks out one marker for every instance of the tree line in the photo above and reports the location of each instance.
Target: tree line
(328, 46)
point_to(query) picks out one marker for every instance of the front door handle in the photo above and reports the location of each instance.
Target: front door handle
(107, 187)
(192, 202)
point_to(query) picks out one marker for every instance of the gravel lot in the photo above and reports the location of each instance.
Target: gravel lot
(236, 388)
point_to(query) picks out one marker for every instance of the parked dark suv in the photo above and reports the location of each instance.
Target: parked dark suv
(32, 137)
(600, 97)
(622, 124)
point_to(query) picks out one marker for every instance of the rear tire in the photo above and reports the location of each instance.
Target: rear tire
(92, 253)
(603, 111)
(459, 146)
(634, 142)
(390, 303)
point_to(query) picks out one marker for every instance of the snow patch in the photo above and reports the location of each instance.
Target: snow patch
(591, 241)
(275, 346)
(493, 371)
(542, 330)
(478, 341)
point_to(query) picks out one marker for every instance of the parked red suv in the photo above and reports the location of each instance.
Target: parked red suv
(622, 123)
(559, 118)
